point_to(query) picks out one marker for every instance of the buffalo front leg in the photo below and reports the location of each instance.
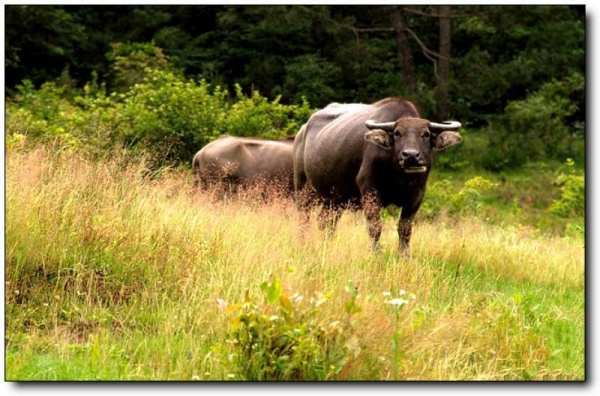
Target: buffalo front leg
(372, 207)
(405, 231)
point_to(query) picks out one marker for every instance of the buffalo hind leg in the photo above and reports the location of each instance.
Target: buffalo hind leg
(302, 197)
(305, 201)
(329, 217)
(372, 207)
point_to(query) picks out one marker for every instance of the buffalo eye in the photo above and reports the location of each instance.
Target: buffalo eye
(427, 135)
(397, 133)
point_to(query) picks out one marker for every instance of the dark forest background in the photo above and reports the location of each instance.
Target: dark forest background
(513, 75)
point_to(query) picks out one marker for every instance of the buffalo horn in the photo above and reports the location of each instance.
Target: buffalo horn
(445, 126)
(386, 126)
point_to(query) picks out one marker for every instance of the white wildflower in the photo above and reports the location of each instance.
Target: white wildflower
(398, 302)
(222, 304)
(296, 297)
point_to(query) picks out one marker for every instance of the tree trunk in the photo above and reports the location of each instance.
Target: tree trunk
(443, 66)
(407, 64)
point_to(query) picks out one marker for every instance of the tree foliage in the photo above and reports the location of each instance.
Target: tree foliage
(515, 77)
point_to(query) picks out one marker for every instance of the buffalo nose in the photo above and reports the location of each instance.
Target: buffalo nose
(411, 154)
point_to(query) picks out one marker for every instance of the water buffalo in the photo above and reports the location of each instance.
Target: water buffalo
(351, 161)
(234, 161)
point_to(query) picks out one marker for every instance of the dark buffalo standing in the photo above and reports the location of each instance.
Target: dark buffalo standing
(371, 156)
(235, 161)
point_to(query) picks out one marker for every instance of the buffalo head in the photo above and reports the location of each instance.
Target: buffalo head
(411, 141)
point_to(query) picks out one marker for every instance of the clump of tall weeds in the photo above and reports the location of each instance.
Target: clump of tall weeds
(285, 337)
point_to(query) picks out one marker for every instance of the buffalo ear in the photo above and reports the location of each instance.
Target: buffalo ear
(379, 137)
(446, 139)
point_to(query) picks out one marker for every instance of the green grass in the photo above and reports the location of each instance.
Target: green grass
(113, 273)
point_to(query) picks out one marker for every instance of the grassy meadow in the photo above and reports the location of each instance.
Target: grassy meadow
(114, 272)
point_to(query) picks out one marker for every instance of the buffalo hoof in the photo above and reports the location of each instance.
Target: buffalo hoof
(404, 253)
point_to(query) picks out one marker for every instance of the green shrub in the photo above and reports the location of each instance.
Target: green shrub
(157, 111)
(575, 231)
(437, 198)
(65, 118)
(470, 197)
(169, 117)
(538, 127)
(45, 115)
(572, 198)
(21, 124)
(256, 116)
(441, 198)
(286, 337)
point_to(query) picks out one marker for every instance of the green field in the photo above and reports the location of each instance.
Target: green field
(114, 272)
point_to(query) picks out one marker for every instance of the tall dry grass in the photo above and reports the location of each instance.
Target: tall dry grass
(116, 269)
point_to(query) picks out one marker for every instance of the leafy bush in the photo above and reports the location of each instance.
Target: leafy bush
(572, 199)
(470, 197)
(45, 114)
(286, 338)
(440, 197)
(256, 116)
(63, 117)
(21, 123)
(538, 127)
(437, 198)
(170, 117)
(165, 116)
